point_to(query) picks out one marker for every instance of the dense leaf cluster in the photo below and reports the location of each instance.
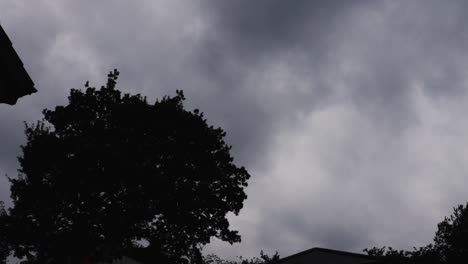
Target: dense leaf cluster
(263, 259)
(109, 170)
(4, 246)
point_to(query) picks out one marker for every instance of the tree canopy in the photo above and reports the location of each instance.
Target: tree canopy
(263, 259)
(4, 247)
(109, 170)
(450, 243)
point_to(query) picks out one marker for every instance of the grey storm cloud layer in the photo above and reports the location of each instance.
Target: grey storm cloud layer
(348, 114)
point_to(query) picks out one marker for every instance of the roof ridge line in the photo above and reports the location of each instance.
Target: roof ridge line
(326, 250)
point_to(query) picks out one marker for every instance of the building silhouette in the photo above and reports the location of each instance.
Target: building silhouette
(329, 256)
(14, 80)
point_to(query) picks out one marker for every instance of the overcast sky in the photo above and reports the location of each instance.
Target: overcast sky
(349, 115)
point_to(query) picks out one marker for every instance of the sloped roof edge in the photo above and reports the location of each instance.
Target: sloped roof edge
(338, 252)
(15, 82)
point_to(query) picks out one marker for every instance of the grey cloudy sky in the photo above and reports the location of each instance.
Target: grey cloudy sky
(350, 115)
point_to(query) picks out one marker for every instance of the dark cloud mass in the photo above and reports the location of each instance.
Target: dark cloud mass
(348, 114)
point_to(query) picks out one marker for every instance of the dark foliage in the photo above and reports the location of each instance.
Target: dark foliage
(263, 259)
(450, 244)
(452, 236)
(426, 254)
(4, 247)
(109, 170)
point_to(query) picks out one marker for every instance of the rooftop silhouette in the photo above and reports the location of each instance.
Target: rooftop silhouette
(324, 255)
(14, 80)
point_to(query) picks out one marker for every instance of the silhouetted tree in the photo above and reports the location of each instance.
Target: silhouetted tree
(4, 246)
(107, 171)
(451, 238)
(450, 243)
(263, 259)
(427, 255)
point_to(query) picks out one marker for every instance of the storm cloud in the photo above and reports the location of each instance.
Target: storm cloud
(348, 114)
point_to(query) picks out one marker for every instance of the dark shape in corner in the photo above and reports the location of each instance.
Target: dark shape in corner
(14, 80)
